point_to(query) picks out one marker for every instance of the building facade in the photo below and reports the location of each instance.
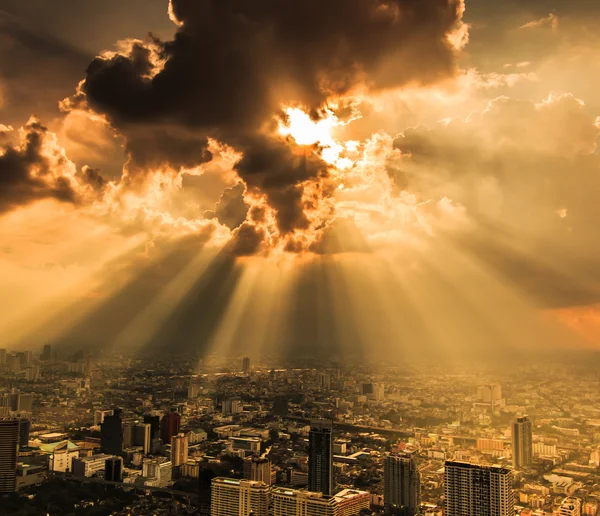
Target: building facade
(522, 443)
(9, 448)
(320, 457)
(402, 483)
(232, 497)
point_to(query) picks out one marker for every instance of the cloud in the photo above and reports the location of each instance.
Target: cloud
(551, 21)
(234, 65)
(36, 168)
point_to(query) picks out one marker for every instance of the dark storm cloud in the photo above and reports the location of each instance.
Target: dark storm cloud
(231, 210)
(233, 63)
(27, 174)
(36, 70)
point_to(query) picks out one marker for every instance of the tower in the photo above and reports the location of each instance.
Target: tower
(111, 430)
(246, 364)
(402, 484)
(473, 490)
(179, 450)
(169, 426)
(522, 443)
(320, 457)
(9, 447)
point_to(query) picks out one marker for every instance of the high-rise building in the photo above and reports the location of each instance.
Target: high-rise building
(522, 443)
(111, 430)
(9, 448)
(24, 427)
(231, 497)
(246, 364)
(402, 484)
(290, 502)
(154, 422)
(113, 469)
(128, 435)
(169, 426)
(193, 390)
(232, 406)
(258, 469)
(46, 353)
(320, 457)
(2, 357)
(570, 507)
(143, 436)
(473, 490)
(179, 450)
(324, 381)
(99, 416)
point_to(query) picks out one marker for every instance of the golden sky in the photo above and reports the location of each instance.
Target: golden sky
(399, 178)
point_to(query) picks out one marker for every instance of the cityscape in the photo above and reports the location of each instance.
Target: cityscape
(121, 434)
(299, 257)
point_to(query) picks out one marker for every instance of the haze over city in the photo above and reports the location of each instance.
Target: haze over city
(279, 203)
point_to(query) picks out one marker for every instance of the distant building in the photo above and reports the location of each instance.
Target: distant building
(402, 484)
(158, 471)
(522, 443)
(290, 502)
(473, 490)
(246, 364)
(236, 497)
(61, 455)
(9, 446)
(169, 426)
(111, 434)
(2, 357)
(193, 390)
(142, 436)
(46, 354)
(570, 507)
(154, 422)
(89, 466)
(113, 469)
(232, 406)
(99, 416)
(179, 450)
(258, 469)
(24, 427)
(320, 457)
(324, 381)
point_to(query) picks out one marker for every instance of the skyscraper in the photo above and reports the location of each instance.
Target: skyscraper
(473, 490)
(113, 469)
(402, 484)
(2, 357)
(47, 353)
(179, 450)
(111, 438)
(143, 436)
(169, 426)
(9, 447)
(522, 443)
(154, 422)
(24, 427)
(246, 364)
(320, 457)
(231, 496)
(258, 469)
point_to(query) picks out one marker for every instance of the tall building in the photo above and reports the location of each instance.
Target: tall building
(324, 381)
(246, 364)
(99, 416)
(232, 497)
(128, 435)
(142, 436)
(169, 426)
(193, 390)
(473, 490)
(522, 443)
(154, 422)
(290, 502)
(179, 450)
(258, 469)
(46, 353)
(2, 357)
(111, 434)
(402, 484)
(9, 448)
(570, 507)
(24, 427)
(320, 457)
(113, 469)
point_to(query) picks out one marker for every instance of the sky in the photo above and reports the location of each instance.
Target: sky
(344, 178)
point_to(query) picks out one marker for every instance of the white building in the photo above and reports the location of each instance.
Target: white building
(232, 497)
(570, 507)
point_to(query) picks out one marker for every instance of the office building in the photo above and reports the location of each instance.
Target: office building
(320, 457)
(111, 430)
(24, 427)
(99, 416)
(46, 354)
(143, 436)
(232, 406)
(402, 484)
(113, 469)
(246, 364)
(169, 426)
(473, 490)
(290, 502)
(89, 466)
(154, 422)
(9, 448)
(179, 450)
(522, 443)
(233, 497)
(128, 435)
(570, 507)
(258, 469)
